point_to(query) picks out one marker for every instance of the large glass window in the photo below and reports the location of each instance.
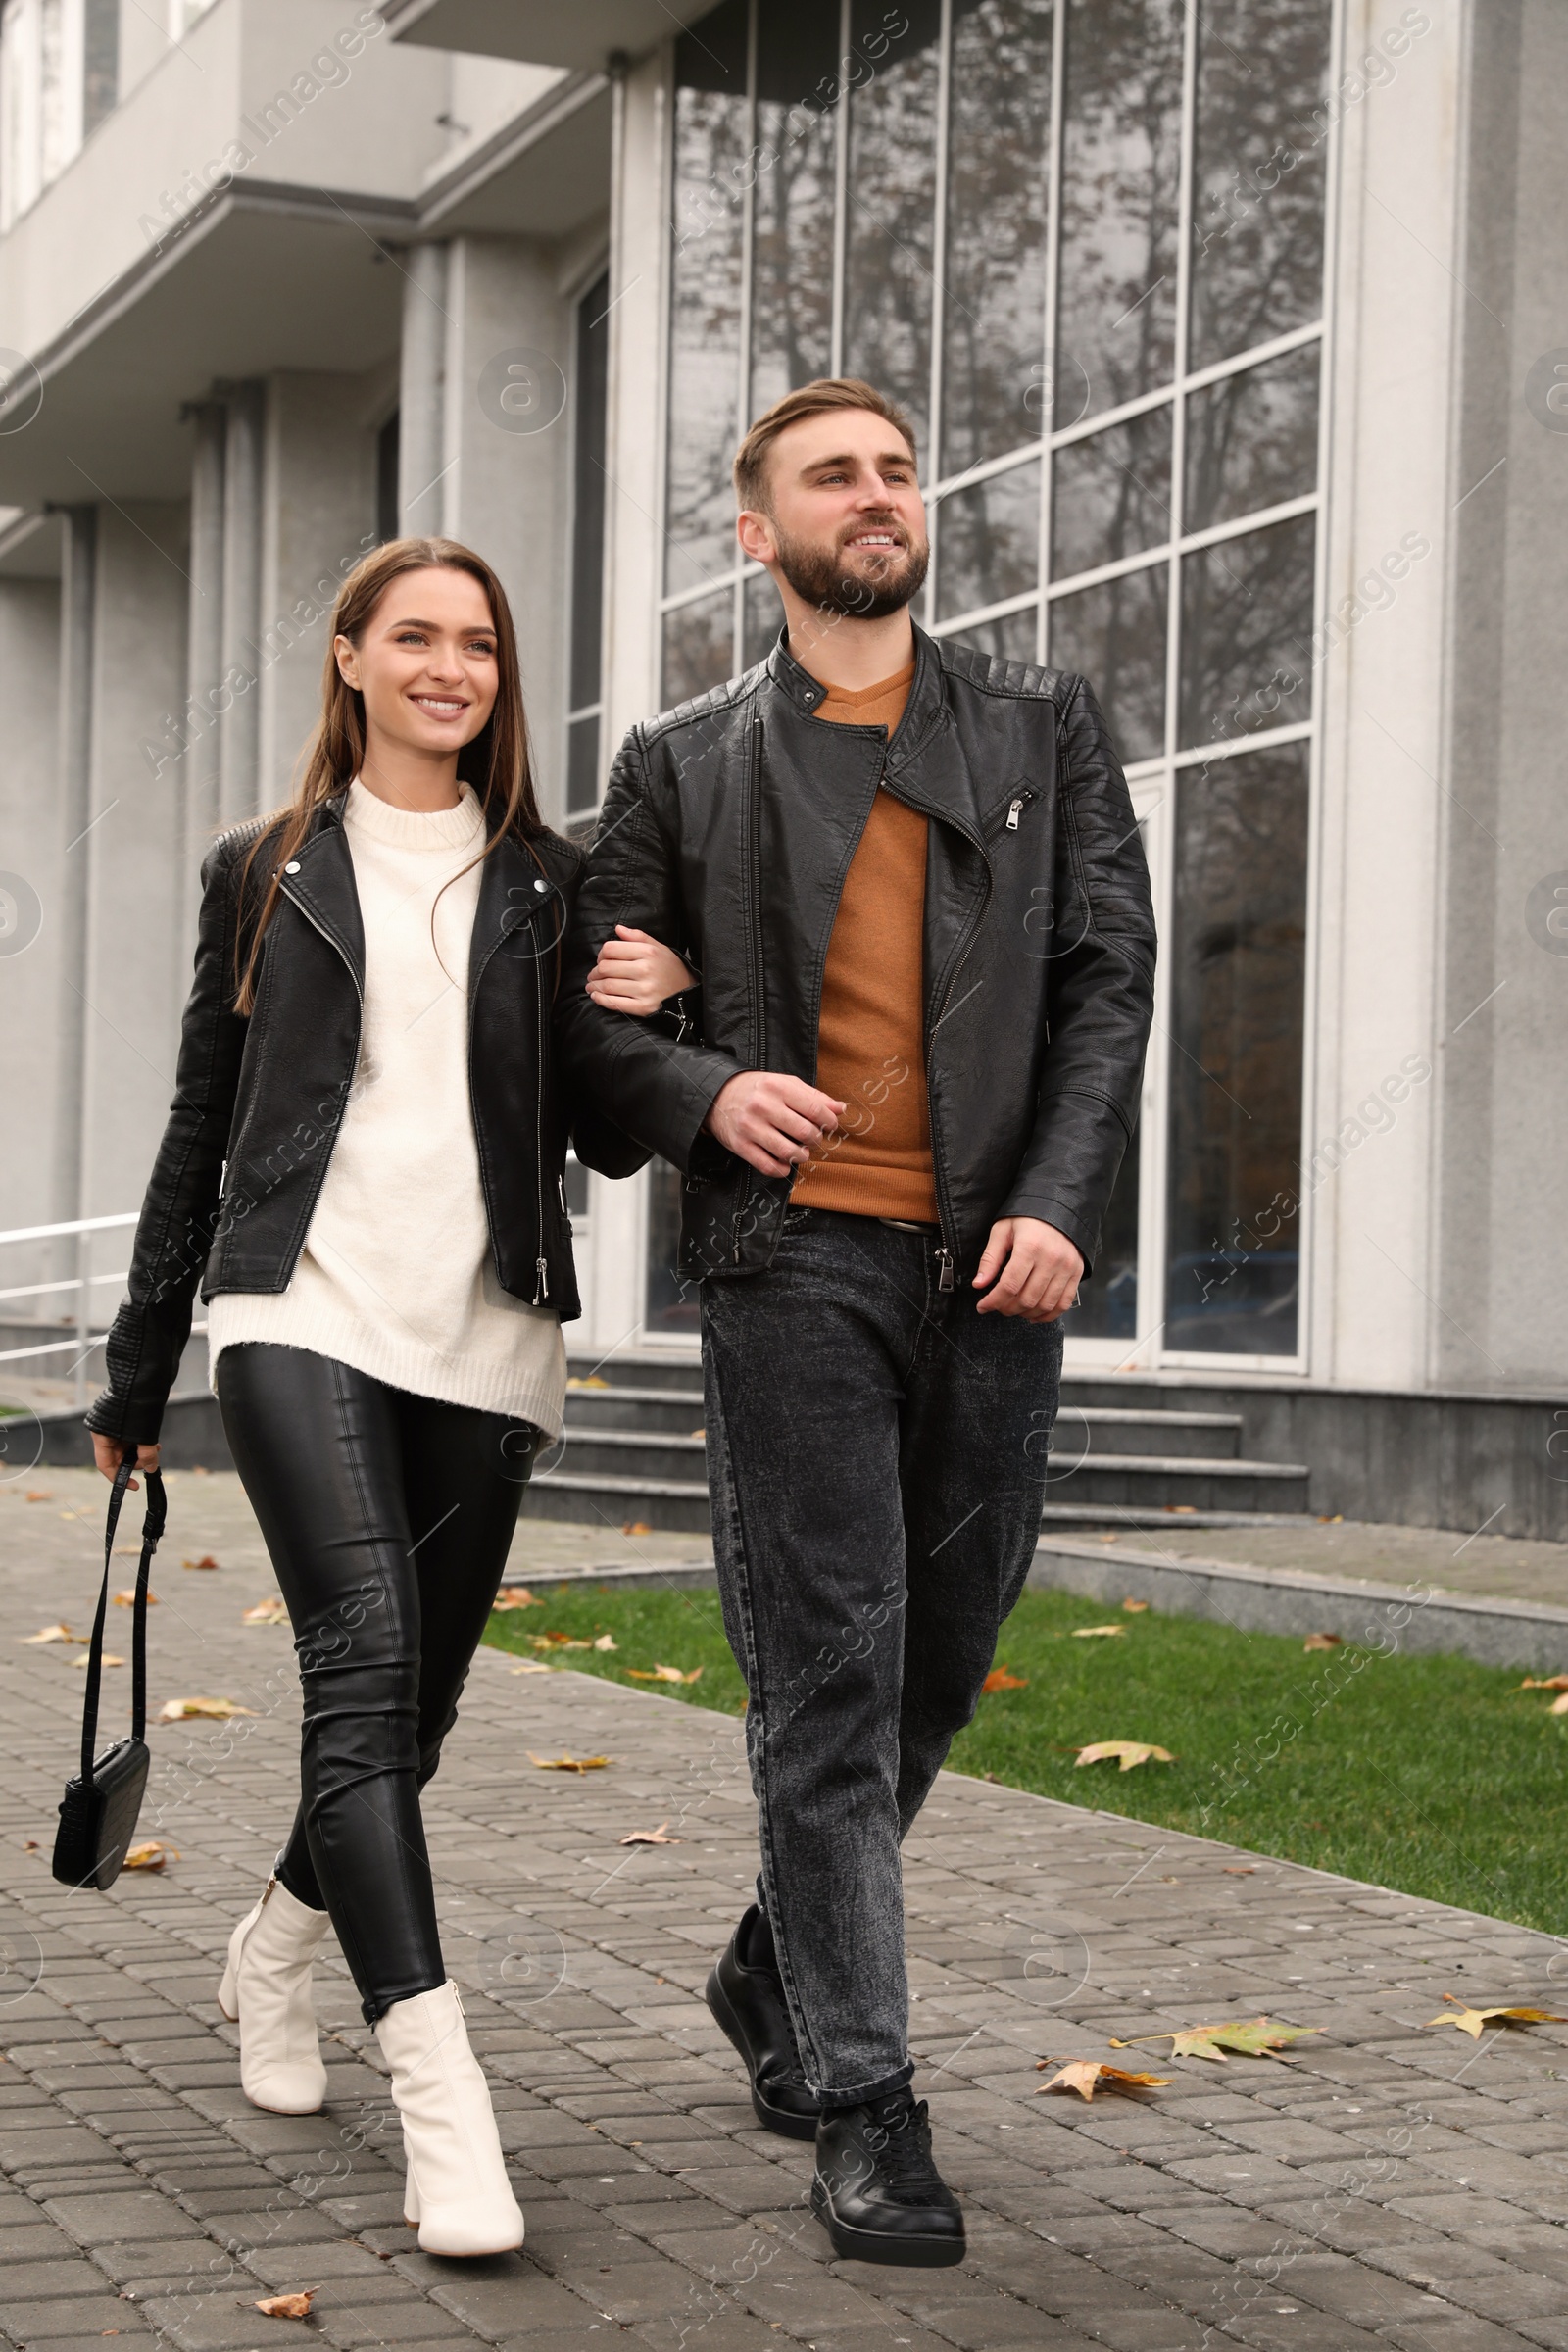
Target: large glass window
(1082, 242)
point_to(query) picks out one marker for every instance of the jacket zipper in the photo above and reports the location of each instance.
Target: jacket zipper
(541, 1266)
(754, 943)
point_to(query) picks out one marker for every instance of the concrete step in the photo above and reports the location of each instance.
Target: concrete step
(678, 1410)
(680, 1506)
(1117, 1430)
(1153, 1482)
(634, 1453)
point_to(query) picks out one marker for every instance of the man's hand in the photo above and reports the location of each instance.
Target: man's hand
(107, 1453)
(1035, 1270)
(773, 1122)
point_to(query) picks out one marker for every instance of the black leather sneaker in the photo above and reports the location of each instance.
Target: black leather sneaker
(878, 2189)
(747, 2000)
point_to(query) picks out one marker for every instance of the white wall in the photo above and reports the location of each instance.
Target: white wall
(31, 847)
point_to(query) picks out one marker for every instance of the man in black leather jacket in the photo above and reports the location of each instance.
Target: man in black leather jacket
(926, 951)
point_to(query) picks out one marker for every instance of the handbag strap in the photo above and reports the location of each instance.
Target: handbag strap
(152, 1527)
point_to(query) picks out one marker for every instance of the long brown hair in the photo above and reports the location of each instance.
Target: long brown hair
(496, 763)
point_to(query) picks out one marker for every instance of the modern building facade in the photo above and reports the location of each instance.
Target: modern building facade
(1236, 344)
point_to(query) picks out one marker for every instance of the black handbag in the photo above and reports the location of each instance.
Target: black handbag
(98, 1811)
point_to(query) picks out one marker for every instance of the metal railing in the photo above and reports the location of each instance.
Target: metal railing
(83, 1338)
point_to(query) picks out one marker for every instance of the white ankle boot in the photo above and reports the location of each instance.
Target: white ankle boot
(456, 2188)
(266, 1987)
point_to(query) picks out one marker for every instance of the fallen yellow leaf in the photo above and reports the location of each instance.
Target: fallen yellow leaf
(533, 1666)
(1253, 2037)
(150, 1855)
(636, 1527)
(567, 1763)
(1133, 1607)
(205, 1561)
(128, 1598)
(1470, 2021)
(557, 1642)
(1088, 1633)
(606, 1641)
(288, 2306)
(514, 1597)
(1085, 2075)
(82, 1663)
(650, 1837)
(266, 1612)
(1129, 1752)
(998, 1679)
(175, 1710)
(1323, 1642)
(40, 1493)
(590, 1380)
(52, 1633)
(1545, 1682)
(1560, 1706)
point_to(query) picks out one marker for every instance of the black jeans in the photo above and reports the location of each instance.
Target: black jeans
(388, 1518)
(877, 1459)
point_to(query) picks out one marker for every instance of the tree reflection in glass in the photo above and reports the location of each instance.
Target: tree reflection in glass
(1114, 636)
(711, 136)
(1247, 628)
(792, 230)
(1252, 439)
(988, 541)
(993, 296)
(893, 77)
(1111, 494)
(1120, 170)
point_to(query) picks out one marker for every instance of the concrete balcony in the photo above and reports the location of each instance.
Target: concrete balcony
(242, 210)
(583, 36)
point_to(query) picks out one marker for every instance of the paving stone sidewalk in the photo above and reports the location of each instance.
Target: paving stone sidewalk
(1395, 2185)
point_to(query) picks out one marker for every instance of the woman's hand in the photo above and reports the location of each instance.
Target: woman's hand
(109, 1453)
(636, 972)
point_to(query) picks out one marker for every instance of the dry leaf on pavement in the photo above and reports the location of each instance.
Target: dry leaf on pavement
(1324, 1641)
(664, 1674)
(998, 1679)
(150, 1855)
(1251, 2037)
(1085, 2075)
(514, 1597)
(567, 1763)
(51, 1632)
(175, 1710)
(266, 1612)
(1470, 2021)
(128, 1598)
(205, 1561)
(636, 1527)
(1129, 1752)
(589, 1380)
(288, 2306)
(650, 1837)
(40, 1493)
(532, 1666)
(82, 1663)
(1239, 1870)
(1089, 1632)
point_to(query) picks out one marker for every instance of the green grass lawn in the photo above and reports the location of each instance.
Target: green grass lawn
(1428, 1774)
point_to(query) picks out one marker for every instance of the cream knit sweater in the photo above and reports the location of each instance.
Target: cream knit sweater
(396, 1276)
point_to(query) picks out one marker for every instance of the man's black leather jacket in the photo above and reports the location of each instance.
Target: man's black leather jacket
(727, 831)
(258, 1100)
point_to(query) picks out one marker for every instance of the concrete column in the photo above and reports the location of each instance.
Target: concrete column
(204, 658)
(424, 462)
(240, 731)
(77, 612)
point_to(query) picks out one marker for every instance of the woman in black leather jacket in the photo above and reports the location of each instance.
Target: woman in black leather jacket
(362, 1168)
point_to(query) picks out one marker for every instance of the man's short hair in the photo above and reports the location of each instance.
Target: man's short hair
(811, 400)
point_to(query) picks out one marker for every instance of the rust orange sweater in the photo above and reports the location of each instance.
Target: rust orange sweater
(871, 1046)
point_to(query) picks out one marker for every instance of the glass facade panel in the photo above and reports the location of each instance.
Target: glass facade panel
(792, 233)
(713, 132)
(1108, 1304)
(1237, 956)
(1114, 636)
(1252, 439)
(761, 619)
(592, 392)
(1110, 495)
(582, 766)
(993, 294)
(1120, 174)
(1260, 144)
(670, 1308)
(1012, 637)
(699, 647)
(1247, 628)
(893, 73)
(987, 541)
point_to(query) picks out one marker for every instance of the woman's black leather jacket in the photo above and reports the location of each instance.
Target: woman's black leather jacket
(259, 1098)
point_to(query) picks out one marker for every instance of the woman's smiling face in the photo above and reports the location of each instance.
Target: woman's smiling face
(425, 664)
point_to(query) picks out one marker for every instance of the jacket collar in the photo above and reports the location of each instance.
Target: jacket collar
(320, 879)
(923, 758)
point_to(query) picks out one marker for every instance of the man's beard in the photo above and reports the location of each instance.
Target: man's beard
(819, 575)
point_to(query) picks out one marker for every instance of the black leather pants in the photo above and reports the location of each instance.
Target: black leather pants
(388, 1518)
